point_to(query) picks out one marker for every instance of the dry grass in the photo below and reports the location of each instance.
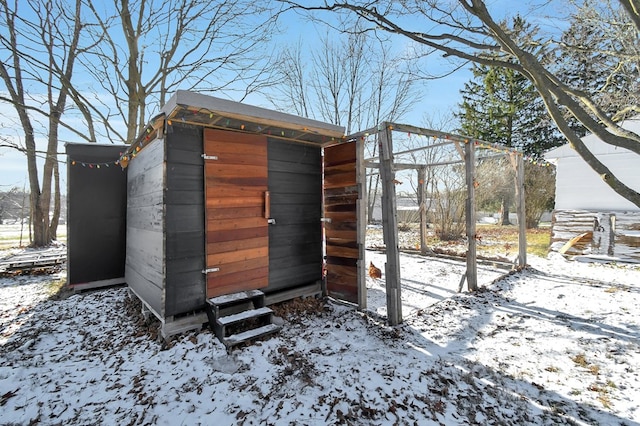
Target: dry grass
(492, 240)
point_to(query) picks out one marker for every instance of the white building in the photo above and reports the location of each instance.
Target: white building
(600, 222)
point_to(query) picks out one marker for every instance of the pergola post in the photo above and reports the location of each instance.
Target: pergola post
(470, 215)
(422, 199)
(390, 225)
(520, 208)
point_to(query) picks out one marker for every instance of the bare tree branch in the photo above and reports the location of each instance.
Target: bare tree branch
(476, 34)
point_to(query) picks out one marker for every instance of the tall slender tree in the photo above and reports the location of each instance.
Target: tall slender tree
(40, 43)
(354, 80)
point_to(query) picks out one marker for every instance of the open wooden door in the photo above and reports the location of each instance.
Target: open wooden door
(343, 248)
(237, 204)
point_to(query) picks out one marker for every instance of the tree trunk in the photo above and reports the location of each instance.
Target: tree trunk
(55, 218)
(504, 211)
(371, 199)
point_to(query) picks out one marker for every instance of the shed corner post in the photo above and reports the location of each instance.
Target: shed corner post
(521, 210)
(390, 225)
(470, 215)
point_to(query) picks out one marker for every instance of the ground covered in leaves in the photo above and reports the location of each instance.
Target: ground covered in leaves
(557, 343)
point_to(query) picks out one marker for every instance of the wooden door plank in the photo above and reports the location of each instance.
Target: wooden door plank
(235, 212)
(239, 223)
(234, 245)
(237, 234)
(220, 170)
(231, 202)
(218, 259)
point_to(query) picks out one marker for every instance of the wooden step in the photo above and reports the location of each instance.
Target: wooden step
(236, 339)
(240, 317)
(236, 302)
(229, 299)
(243, 316)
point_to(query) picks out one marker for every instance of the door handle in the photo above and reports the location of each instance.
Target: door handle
(267, 206)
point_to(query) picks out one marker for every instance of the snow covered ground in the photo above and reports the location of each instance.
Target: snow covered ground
(558, 343)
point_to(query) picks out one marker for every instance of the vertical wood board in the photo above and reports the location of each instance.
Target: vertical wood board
(184, 216)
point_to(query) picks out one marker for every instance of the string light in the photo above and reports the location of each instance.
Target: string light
(96, 165)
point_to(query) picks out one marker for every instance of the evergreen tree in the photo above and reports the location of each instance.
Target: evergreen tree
(500, 105)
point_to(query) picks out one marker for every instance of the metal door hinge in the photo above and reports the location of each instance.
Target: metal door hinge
(206, 271)
(271, 221)
(209, 157)
(325, 219)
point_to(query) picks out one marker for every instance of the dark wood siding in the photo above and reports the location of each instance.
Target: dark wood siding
(144, 270)
(295, 240)
(184, 216)
(96, 218)
(340, 198)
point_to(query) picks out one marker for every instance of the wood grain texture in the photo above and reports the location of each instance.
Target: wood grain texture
(144, 261)
(236, 230)
(341, 194)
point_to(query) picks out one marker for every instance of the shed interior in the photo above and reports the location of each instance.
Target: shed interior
(96, 215)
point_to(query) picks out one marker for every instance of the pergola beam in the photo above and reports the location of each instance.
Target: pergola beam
(414, 166)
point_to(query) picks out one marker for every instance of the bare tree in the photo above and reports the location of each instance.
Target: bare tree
(148, 50)
(468, 30)
(600, 52)
(355, 81)
(40, 46)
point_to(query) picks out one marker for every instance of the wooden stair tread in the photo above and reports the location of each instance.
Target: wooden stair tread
(235, 297)
(236, 339)
(245, 315)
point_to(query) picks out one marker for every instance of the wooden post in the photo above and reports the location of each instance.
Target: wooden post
(520, 209)
(390, 225)
(470, 215)
(422, 199)
(361, 214)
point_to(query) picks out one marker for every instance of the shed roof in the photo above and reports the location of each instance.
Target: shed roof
(209, 111)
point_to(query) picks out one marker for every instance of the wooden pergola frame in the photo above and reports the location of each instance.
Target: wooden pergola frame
(466, 147)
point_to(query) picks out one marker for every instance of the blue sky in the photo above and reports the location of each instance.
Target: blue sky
(439, 97)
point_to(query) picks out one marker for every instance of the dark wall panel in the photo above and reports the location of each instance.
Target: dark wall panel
(185, 242)
(295, 240)
(96, 214)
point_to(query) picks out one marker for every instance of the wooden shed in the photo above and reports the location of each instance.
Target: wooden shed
(589, 218)
(232, 207)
